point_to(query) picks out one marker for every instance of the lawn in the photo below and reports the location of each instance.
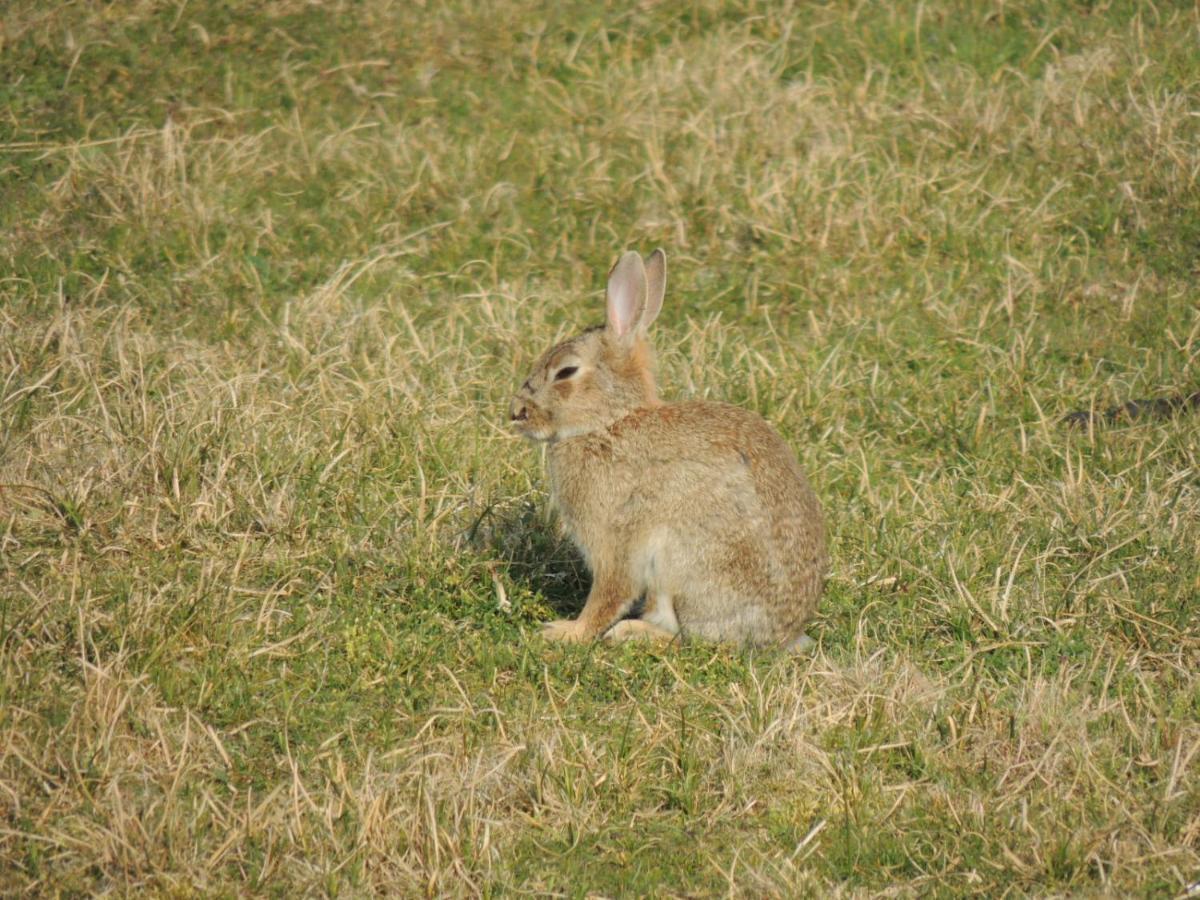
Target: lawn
(272, 568)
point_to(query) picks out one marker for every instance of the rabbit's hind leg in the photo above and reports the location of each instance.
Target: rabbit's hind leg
(656, 621)
(638, 630)
(659, 610)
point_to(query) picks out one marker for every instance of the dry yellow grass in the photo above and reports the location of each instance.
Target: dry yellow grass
(271, 570)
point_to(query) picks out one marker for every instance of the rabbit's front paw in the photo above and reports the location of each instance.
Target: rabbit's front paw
(563, 630)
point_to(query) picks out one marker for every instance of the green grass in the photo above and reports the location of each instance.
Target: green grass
(271, 570)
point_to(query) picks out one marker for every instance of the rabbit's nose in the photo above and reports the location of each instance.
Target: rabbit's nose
(518, 412)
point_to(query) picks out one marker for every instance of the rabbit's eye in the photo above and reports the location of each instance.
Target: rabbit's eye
(565, 372)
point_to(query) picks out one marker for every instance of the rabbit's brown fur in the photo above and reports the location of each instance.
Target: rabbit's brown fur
(697, 509)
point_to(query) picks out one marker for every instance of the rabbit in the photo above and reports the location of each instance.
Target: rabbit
(693, 518)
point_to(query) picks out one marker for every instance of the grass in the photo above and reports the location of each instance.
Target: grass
(272, 570)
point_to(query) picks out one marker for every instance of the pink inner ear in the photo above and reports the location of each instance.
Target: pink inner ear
(626, 294)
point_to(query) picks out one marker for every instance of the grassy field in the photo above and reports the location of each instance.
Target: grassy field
(272, 570)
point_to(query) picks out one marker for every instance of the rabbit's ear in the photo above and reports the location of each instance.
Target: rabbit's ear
(656, 287)
(626, 295)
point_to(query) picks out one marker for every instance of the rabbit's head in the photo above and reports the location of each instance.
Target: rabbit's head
(596, 378)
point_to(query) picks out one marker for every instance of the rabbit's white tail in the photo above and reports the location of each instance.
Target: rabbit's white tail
(802, 644)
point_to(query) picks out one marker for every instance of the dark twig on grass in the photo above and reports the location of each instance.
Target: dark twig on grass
(1160, 408)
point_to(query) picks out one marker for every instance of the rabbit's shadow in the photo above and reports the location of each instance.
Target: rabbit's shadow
(535, 554)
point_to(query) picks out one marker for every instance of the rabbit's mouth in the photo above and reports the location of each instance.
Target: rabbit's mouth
(528, 421)
(534, 432)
